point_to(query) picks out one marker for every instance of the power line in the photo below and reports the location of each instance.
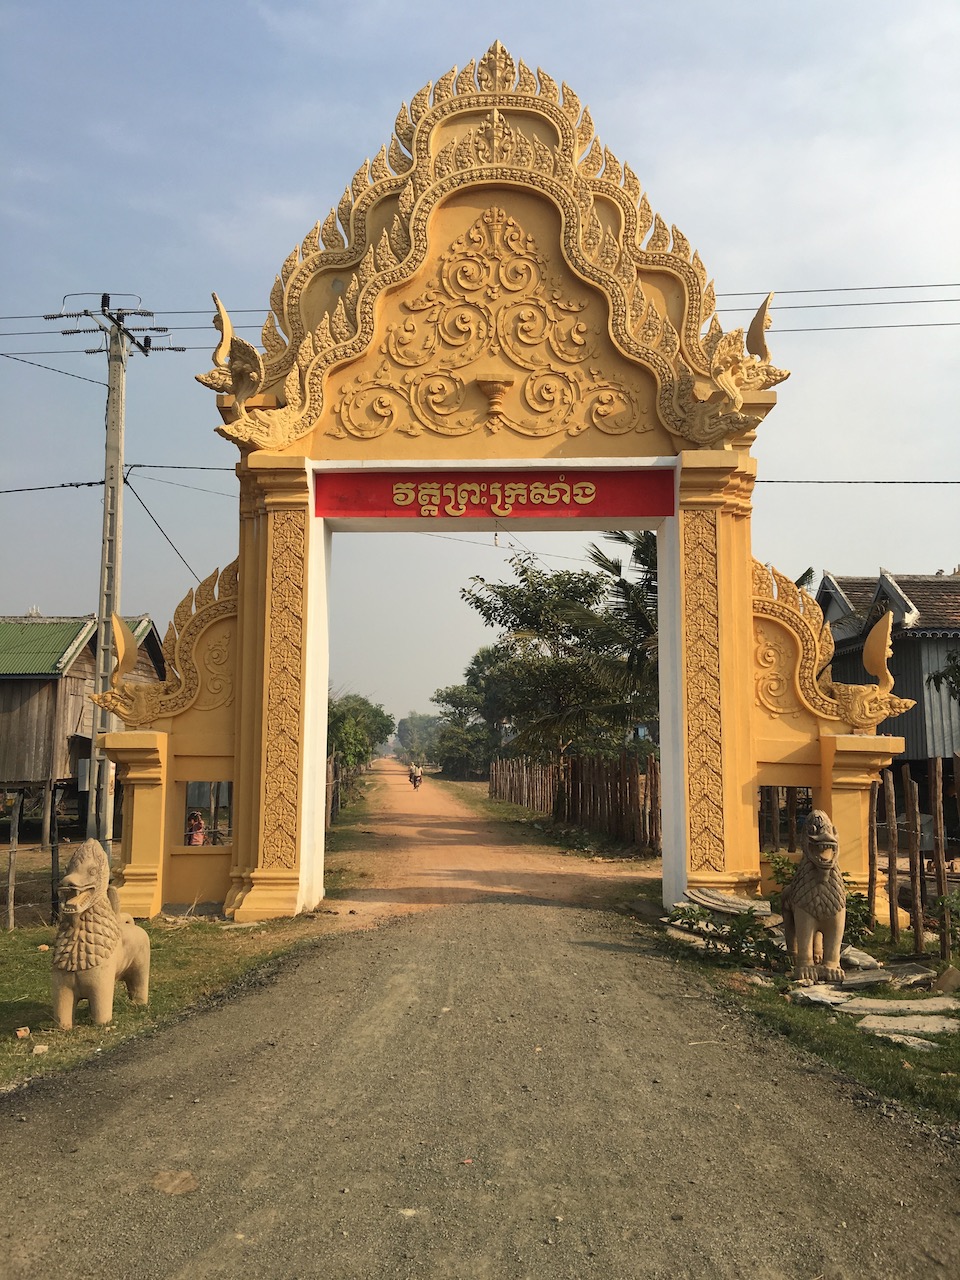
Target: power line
(775, 307)
(848, 288)
(815, 306)
(50, 369)
(749, 293)
(87, 484)
(194, 488)
(69, 484)
(163, 532)
(172, 466)
(774, 330)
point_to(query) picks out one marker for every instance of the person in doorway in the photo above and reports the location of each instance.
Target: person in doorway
(196, 831)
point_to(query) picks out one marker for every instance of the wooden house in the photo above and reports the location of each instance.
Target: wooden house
(46, 716)
(926, 629)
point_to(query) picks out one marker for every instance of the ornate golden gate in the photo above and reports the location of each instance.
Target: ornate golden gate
(492, 324)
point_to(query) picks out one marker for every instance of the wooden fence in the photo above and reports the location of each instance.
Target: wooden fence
(907, 848)
(611, 797)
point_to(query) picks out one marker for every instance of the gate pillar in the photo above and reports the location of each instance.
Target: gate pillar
(713, 765)
(274, 530)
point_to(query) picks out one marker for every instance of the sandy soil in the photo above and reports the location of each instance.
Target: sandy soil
(514, 1085)
(427, 849)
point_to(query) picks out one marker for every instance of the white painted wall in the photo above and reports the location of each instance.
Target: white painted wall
(315, 691)
(671, 667)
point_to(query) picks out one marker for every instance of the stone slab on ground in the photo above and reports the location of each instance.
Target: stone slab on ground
(727, 903)
(932, 1026)
(863, 979)
(906, 1042)
(901, 1008)
(908, 976)
(822, 994)
(689, 939)
(853, 958)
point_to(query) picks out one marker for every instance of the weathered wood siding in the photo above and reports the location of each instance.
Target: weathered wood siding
(27, 718)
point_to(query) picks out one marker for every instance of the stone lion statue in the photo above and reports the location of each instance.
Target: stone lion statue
(96, 944)
(815, 904)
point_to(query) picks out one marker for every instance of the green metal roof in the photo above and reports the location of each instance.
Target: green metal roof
(41, 646)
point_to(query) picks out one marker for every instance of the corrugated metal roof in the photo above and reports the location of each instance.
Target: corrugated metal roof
(39, 646)
(36, 646)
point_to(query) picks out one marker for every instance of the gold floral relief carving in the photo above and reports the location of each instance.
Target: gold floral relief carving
(284, 690)
(702, 659)
(187, 650)
(775, 662)
(216, 663)
(492, 299)
(483, 126)
(862, 707)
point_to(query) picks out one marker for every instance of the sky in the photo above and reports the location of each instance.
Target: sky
(171, 150)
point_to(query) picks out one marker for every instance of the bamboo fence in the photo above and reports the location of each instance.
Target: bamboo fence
(608, 796)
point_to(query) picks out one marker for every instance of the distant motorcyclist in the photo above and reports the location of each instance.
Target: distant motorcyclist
(416, 776)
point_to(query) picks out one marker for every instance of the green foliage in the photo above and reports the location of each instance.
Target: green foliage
(463, 751)
(782, 868)
(417, 734)
(574, 668)
(740, 938)
(859, 925)
(951, 902)
(949, 675)
(356, 728)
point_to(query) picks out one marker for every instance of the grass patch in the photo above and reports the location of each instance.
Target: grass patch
(346, 835)
(192, 961)
(925, 1082)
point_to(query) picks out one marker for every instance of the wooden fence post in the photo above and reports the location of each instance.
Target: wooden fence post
(912, 797)
(893, 852)
(12, 858)
(55, 856)
(791, 819)
(935, 775)
(872, 855)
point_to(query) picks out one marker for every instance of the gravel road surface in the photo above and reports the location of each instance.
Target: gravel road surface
(503, 1081)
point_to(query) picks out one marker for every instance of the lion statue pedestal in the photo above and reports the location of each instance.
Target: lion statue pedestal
(96, 944)
(815, 904)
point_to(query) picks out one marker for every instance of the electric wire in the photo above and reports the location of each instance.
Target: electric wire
(163, 532)
(50, 369)
(85, 484)
(748, 293)
(773, 330)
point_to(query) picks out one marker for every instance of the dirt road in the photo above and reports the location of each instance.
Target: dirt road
(513, 1086)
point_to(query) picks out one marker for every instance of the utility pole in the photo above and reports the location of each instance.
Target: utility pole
(121, 340)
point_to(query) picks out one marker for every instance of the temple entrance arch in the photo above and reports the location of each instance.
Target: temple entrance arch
(493, 320)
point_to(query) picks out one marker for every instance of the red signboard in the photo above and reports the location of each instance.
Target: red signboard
(503, 495)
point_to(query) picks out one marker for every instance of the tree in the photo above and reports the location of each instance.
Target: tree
(949, 675)
(465, 742)
(417, 734)
(356, 727)
(572, 666)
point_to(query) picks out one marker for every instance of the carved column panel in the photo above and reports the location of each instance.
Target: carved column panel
(717, 671)
(270, 734)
